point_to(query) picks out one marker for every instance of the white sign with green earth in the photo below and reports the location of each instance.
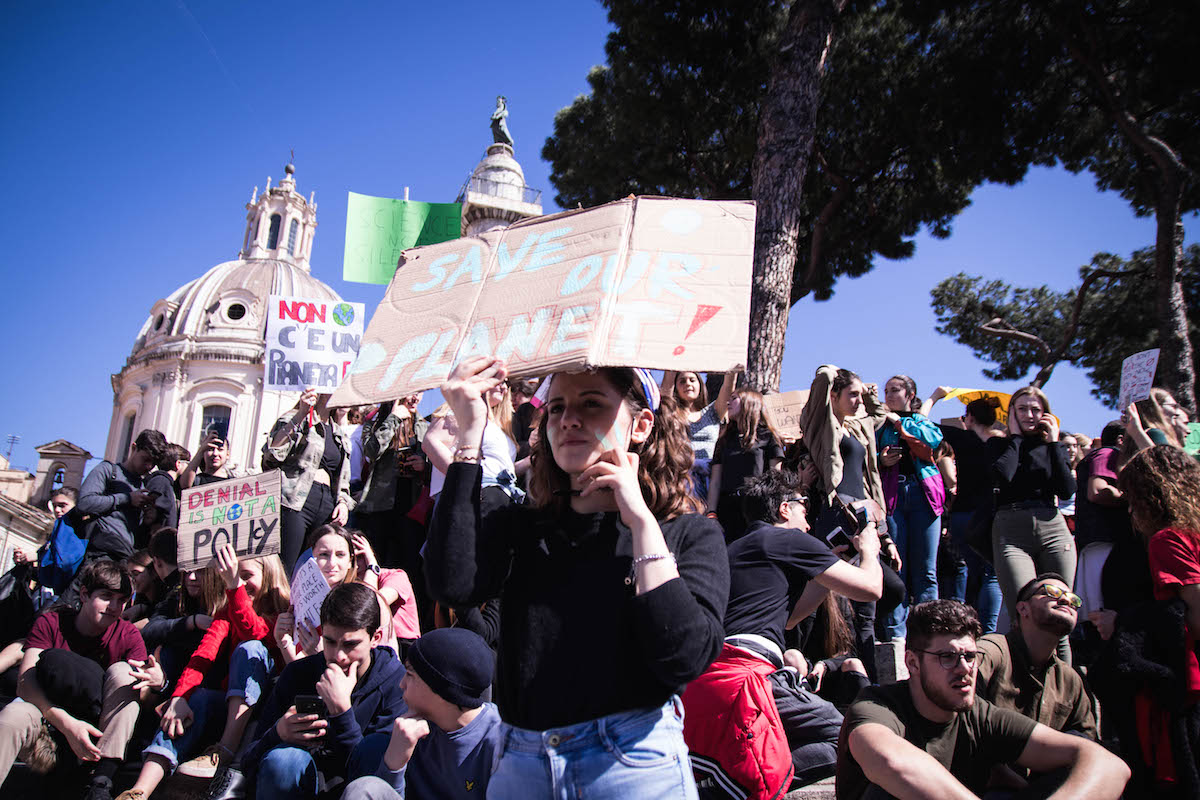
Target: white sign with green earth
(310, 343)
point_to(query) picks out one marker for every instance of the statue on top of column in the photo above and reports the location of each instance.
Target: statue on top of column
(500, 134)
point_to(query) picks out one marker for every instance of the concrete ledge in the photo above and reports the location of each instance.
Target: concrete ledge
(821, 790)
(889, 662)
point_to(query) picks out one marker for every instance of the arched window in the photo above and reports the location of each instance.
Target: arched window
(126, 437)
(293, 229)
(273, 234)
(60, 477)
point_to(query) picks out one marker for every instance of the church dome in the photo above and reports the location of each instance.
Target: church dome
(222, 314)
(197, 363)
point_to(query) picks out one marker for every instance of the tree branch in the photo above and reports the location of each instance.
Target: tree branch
(998, 327)
(1077, 311)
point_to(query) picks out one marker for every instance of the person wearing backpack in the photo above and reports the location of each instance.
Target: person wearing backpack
(59, 558)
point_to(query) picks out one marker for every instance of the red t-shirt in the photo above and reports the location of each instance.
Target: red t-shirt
(1175, 562)
(56, 629)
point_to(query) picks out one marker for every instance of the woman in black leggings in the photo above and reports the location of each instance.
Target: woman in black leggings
(313, 452)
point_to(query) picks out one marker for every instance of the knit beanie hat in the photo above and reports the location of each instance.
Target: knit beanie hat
(456, 663)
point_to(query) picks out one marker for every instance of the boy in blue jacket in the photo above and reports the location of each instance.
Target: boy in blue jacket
(447, 746)
(358, 684)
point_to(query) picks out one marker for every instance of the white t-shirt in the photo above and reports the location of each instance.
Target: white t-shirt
(356, 451)
(495, 455)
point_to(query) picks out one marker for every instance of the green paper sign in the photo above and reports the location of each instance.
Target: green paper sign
(379, 229)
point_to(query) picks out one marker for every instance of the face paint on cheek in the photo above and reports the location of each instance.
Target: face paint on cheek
(604, 440)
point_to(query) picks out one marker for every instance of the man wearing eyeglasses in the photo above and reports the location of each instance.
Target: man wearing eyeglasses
(930, 737)
(1021, 671)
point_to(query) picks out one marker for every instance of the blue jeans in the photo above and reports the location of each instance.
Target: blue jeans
(290, 773)
(916, 531)
(250, 667)
(624, 756)
(972, 571)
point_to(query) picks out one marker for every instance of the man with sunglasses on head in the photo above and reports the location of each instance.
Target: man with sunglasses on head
(1021, 671)
(930, 737)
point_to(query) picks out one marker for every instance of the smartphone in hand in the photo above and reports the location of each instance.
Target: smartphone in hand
(311, 704)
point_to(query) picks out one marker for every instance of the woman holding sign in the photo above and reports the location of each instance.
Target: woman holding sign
(613, 589)
(313, 453)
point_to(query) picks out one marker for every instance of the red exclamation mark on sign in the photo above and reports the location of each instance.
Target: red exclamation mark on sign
(703, 315)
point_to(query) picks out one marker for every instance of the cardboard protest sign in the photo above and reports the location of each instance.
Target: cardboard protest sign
(243, 512)
(1137, 376)
(785, 409)
(971, 395)
(310, 343)
(650, 282)
(309, 588)
(379, 229)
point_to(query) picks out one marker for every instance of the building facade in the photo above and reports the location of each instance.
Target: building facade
(197, 363)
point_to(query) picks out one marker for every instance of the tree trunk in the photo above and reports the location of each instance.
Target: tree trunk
(1176, 369)
(786, 129)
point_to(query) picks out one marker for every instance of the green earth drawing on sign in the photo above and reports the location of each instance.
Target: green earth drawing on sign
(343, 314)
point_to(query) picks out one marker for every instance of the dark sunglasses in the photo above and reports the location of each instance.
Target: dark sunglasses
(1055, 593)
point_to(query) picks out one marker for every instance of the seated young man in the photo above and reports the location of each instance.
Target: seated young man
(95, 632)
(447, 744)
(930, 737)
(1022, 672)
(314, 722)
(775, 569)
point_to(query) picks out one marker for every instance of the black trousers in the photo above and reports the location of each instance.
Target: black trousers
(295, 526)
(811, 725)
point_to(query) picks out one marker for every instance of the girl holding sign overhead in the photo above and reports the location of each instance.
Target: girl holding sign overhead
(313, 454)
(613, 588)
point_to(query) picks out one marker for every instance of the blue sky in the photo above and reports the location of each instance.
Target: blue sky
(135, 132)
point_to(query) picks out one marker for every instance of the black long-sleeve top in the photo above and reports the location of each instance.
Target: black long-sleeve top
(576, 642)
(1028, 468)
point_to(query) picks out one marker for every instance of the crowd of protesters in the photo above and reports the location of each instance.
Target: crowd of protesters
(604, 585)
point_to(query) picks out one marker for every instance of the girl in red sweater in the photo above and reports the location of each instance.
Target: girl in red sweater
(239, 643)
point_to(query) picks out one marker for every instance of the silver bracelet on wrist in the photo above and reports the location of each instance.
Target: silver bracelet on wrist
(646, 559)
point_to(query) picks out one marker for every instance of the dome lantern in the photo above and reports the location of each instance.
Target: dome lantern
(280, 223)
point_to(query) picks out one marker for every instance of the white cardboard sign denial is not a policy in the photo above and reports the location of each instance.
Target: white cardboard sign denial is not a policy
(649, 281)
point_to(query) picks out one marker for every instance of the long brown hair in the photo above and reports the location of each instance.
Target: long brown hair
(701, 399)
(664, 459)
(336, 530)
(212, 593)
(838, 638)
(1162, 484)
(910, 386)
(275, 592)
(752, 412)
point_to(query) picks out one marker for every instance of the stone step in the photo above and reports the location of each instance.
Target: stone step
(889, 662)
(821, 790)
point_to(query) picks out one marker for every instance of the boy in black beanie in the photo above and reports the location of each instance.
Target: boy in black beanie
(447, 745)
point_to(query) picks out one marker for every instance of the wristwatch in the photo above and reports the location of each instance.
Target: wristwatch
(375, 568)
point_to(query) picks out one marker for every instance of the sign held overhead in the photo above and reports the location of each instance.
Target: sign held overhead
(649, 281)
(310, 343)
(379, 229)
